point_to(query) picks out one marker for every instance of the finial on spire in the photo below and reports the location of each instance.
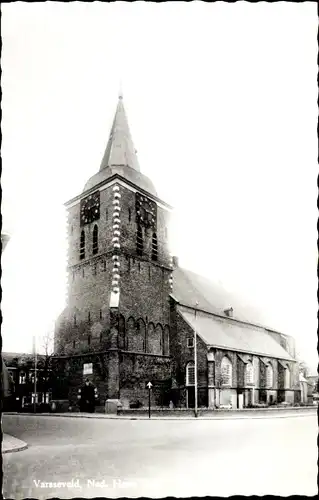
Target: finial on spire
(120, 90)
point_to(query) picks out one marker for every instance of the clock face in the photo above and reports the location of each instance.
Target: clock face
(90, 209)
(146, 211)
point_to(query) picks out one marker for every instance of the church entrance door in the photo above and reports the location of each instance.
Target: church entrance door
(190, 397)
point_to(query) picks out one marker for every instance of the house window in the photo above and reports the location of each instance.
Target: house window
(154, 247)
(287, 378)
(82, 245)
(269, 376)
(190, 342)
(36, 398)
(139, 241)
(249, 374)
(226, 371)
(22, 378)
(95, 240)
(190, 374)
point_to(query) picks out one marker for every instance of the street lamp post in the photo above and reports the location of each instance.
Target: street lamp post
(195, 360)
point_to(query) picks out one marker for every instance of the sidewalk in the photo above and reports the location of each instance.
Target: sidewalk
(225, 416)
(11, 444)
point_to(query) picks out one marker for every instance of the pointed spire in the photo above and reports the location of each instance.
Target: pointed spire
(120, 149)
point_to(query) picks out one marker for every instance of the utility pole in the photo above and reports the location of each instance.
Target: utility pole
(35, 374)
(195, 360)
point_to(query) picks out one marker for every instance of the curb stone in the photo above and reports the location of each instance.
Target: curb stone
(11, 444)
(102, 416)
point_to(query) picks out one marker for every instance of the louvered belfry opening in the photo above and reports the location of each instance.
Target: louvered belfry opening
(139, 241)
(82, 245)
(95, 240)
(154, 247)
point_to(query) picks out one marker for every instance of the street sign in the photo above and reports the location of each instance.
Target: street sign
(149, 386)
(87, 368)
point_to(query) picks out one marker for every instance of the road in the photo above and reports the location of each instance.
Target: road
(159, 458)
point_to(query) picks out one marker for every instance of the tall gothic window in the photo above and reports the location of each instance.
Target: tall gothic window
(249, 374)
(121, 337)
(190, 373)
(82, 245)
(269, 376)
(95, 240)
(287, 378)
(226, 371)
(139, 241)
(154, 247)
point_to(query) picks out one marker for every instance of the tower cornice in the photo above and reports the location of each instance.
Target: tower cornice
(123, 182)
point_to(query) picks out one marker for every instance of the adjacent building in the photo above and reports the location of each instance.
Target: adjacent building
(132, 310)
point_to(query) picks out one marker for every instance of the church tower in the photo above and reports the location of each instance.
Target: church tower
(119, 275)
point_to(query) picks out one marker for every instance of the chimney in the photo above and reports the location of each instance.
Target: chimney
(229, 312)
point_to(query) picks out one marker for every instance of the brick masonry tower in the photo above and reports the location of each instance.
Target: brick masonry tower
(116, 323)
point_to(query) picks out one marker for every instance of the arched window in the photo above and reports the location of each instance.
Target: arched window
(154, 247)
(95, 240)
(139, 241)
(249, 374)
(157, 347)
(190, 373)
(121, 332)
(139, 341)
(269, 376)
(226, 371)
(131, 329)
(82, 245)
(166, 341)
(287, 378)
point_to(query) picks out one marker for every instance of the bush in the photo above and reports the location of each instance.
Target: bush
(39, 408)
(136, 404)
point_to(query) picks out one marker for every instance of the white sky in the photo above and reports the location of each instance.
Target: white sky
(221, 100)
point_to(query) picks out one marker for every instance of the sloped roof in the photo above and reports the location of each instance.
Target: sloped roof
(228, 334)
(120, 155)
(127, 172)
(189, 287)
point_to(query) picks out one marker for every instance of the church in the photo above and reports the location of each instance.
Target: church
(133, 314)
